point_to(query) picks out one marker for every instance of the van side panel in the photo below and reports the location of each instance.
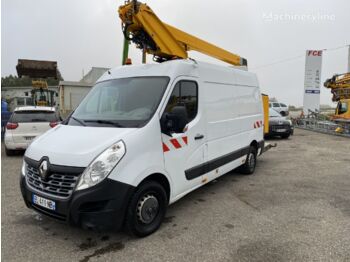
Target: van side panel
(249, 106)
(223, 123)
(234, 117)
(219, 104)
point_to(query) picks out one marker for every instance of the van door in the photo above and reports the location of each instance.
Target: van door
(184, 151)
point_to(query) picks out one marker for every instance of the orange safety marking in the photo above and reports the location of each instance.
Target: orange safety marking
(165, 148)
(175, 143)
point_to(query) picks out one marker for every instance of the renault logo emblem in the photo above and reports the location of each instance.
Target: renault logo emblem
(44, 169)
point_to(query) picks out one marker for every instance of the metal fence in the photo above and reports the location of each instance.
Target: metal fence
(323, 126)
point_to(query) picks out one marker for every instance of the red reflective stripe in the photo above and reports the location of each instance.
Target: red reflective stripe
(165, 148)
(175, 143)
(184, 138)
(258, 124)
(254, 125)
(261, 122)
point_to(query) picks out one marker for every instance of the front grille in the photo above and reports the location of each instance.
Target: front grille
(276, 127)
(57, 185)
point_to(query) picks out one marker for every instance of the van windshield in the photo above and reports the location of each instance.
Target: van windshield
(125, 102)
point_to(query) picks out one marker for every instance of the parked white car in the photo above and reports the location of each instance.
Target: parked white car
(144, 137)
(280, 108)
(25, 124)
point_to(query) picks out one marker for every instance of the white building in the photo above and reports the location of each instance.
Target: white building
(71, 93)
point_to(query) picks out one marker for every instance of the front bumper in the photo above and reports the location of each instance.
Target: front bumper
(100, 207)
(275, 130)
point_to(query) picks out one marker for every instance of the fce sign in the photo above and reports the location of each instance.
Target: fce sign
(314, 53)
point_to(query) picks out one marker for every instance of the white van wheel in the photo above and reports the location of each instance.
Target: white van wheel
(248, 167)
(146, 209)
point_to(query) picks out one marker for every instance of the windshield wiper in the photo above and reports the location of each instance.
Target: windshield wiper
(78, 120)
(109, 122)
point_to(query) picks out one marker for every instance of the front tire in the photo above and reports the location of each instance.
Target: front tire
(248, 167)
(146, 209)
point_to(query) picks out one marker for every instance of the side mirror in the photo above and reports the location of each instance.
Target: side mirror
(175, 121)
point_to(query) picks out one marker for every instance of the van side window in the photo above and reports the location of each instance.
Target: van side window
(276, 105)
(185, 93)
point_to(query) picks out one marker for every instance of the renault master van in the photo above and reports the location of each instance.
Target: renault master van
(144, 137)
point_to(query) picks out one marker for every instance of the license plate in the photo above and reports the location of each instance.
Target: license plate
(281, 130)
(40, 201)
(29, 138)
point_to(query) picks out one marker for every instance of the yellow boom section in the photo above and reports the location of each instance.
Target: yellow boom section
(142, 26)
(265, 100)
(340, 86)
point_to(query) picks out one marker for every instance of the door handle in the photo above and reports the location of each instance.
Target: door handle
(198, 136)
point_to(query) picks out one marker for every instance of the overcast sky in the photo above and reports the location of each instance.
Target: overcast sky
(80, 34)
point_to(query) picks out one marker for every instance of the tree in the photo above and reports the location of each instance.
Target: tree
(23, 81)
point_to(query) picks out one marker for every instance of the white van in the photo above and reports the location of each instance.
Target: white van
(144, 137)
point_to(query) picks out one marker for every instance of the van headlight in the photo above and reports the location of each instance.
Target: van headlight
(24, 168)
(101, 166)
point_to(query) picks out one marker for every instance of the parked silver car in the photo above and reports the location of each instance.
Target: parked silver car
(279, 125)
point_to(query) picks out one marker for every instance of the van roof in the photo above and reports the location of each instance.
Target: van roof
(34, 108)
(173, 69)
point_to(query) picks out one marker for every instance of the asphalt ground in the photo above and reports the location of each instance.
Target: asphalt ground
(296, 207)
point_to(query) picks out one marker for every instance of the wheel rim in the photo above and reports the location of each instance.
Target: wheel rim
(147, 208)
